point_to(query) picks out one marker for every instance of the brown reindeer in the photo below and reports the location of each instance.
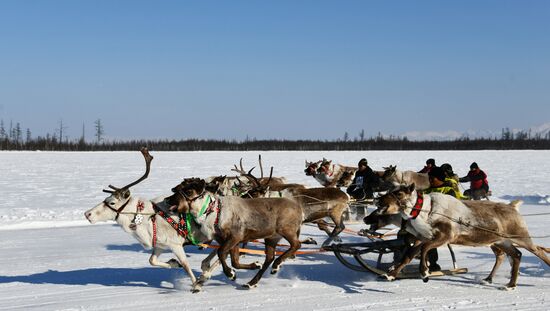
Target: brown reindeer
(436, 219)
(317, 203)
(397, 178)
(231, 220)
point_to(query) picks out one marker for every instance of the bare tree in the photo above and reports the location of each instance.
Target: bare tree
(29, 137)
(2, 130)
(99, 130)
(60, 130)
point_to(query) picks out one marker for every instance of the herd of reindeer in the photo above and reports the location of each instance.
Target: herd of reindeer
(243, 208)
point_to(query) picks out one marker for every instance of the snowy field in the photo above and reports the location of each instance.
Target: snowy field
(52, 259)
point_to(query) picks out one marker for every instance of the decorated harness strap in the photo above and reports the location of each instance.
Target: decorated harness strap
(417, 206)
(180, 226)
(215, 205)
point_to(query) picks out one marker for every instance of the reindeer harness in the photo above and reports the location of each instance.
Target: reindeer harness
(119, 210)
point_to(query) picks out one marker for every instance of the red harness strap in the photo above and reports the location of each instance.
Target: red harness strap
(217, 206)
(153, 219)
(180, 226)
(417, 206)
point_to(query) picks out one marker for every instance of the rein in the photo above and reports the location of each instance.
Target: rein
(119, 210)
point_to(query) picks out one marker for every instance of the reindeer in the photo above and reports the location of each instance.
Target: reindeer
(330, 175)
(334, 175)
(231, 220)
(437, 219)
(316, 203)
(142, 219)
(397, 178)
(231, 185)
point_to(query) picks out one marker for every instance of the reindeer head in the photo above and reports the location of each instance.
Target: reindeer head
(325, 166)
(113, 205)
(395, 201)
(215, 183)
(188, 191)
(389, 171)
(256, 188)
(311, 168)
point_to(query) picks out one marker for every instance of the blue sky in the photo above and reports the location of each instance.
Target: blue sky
(274, 69)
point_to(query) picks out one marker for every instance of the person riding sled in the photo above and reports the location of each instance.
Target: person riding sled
(430, 163)
(479, 186)
(364, 182)
(439, 182)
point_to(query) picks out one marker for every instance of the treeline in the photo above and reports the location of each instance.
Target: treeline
(17, 139)
(51, 144)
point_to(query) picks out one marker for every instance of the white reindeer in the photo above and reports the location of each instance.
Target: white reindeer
(143, 219)
(436, 219)
(330, 175)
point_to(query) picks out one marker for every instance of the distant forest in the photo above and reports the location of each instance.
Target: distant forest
(14, 138)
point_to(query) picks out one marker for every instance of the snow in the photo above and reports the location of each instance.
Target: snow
(52, 259)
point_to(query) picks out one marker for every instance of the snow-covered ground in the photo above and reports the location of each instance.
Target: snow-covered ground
(51, 259)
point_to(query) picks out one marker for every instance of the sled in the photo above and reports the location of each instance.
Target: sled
(377, 256)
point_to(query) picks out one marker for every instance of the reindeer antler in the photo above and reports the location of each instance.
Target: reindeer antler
(148, 159)
(241, 170)
(261, 168)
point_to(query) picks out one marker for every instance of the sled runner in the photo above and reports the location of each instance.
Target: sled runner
(377, 256)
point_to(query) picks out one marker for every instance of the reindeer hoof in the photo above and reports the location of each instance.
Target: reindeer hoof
(174, 263)
(250, 286)
(425, 279)
(486, 281)
(257, 265)
(309, 241)
(231, 275)
(274, 270)
(388, 277)
(195, 290)
(508, 288)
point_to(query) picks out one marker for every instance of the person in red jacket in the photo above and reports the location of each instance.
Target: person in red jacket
(479, 186)
(429, 164)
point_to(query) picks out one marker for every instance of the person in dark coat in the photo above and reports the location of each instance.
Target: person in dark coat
(479, 186)
(429, 164)
(364, 182)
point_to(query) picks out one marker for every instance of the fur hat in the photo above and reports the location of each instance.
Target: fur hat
(474, 166)
(447, 168)
(430, 161)
(437, 172)
(363, 162)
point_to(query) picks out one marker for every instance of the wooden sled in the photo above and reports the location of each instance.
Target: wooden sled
(369, 257)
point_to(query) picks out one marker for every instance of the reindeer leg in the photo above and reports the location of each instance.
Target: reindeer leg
(180, 255)
(235, 262)
(538, 251)
(154, 259)
(409, 255)
(323, 226)
(294, 246)
(499, 254)
(207, 269)
(515, 255)
(224, 249)
(270, 245)
(336, 216)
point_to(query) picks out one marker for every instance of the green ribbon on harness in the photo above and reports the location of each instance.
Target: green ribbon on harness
(204, 206)
(189, 233)
(189, 216)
